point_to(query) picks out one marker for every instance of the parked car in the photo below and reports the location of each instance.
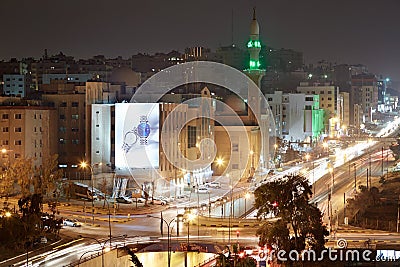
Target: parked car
(71, 222)
(214, 184)
(138, 200)
(124, 200)
(158, 201)
(203, 190)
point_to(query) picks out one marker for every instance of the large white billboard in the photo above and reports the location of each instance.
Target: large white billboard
(136, 135)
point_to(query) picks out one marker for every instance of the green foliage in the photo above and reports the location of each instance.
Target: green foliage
(299, 223)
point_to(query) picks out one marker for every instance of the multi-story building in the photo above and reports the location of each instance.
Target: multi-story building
(27, 132)
(328, 95)
(69, 130)
(298, 117)
(364, 92)
(16, 85)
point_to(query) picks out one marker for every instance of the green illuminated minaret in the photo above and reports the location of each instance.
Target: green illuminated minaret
(254, 48)
(254, 45)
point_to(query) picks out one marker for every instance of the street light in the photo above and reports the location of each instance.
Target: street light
(85, 165)
(168, 235)
(190, 217)
(101, 246)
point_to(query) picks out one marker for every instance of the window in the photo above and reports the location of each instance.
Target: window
(62, 141)
(269, 98)
(307, 107)
(18, 142)
(62, 117)
(17, 156)
(75, 116)
(63, 129)
(329, 92)
(18, 129)
(5, 142)
(191, 136)
(235, 147)
(5, 129)
(5, 116)
(329, 98)
(329, 105)
(18, 116)
(75, 104)
(75, 141)
(309, 98)
(63, 104)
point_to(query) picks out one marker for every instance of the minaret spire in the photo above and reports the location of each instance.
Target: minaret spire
(254, 13)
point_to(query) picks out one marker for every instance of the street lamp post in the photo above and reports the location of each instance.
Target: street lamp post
(355, 177)
(101, 246)
(85, 165)
(168, 235)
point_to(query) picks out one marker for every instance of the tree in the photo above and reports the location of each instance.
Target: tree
(22, 171)
(288, 200)
(134, 258)
(48, 176)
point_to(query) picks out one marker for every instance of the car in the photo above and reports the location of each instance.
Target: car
(158, 201)
(138, 200)
(124, 200)
(71, 222)
(203, 190)
(214, 184)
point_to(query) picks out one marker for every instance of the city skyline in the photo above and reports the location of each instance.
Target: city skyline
(356, 32)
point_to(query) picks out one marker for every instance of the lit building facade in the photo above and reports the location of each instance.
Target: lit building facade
(27, 132)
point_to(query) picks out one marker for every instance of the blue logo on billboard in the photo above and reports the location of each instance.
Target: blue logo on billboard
(141, 132)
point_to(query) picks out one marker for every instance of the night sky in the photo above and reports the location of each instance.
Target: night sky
(342, 31)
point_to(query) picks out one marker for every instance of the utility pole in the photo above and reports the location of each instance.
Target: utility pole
(344, 208)
(382, 162)
(355, 177)
(398, 214)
